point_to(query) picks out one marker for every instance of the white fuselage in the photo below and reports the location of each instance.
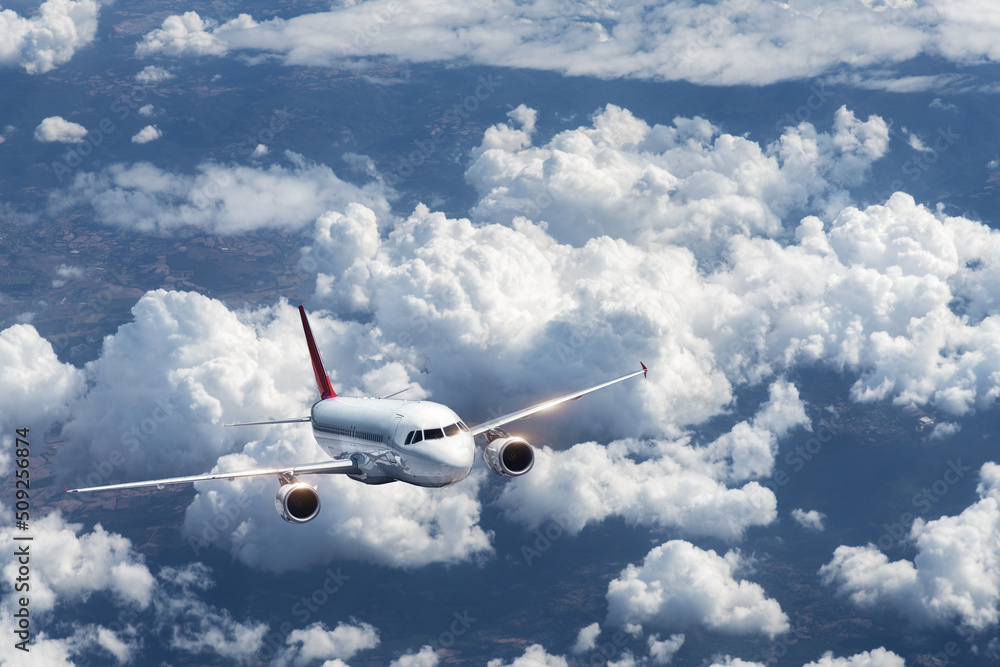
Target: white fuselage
(381, 435)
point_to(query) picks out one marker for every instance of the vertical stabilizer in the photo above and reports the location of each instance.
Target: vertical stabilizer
(322, 379)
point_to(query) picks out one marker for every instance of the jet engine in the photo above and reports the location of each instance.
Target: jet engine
(509, 456)
(297, 502)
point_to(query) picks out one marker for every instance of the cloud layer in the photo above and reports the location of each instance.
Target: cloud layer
(722, 43)
(218, 198)
(482, 315)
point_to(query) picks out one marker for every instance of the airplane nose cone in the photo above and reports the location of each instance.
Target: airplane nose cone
(457, 453)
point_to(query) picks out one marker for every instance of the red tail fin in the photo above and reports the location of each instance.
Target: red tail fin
(322, 379)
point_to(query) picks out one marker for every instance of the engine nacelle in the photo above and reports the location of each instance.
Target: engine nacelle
(297, 502)
(510, 456)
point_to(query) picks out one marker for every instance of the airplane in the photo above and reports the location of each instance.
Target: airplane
(382, 440)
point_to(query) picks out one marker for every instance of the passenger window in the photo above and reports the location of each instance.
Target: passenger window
(417, 436)
(409, 437)
(451, 430)
(433, 433)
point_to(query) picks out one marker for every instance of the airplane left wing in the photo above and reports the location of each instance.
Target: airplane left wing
(342, 467)
(527, 412)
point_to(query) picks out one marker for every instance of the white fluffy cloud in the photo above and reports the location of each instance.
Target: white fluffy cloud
(724, 43)
(687, 184)
(147, 134)
(219, 198)
(305, 646)
(952, 579)
(184, 35)
(50, 37)
(35, 387)
(425, 657)
(534, 656)
(679, 586)
(879, 657)
(811, 520)
(67, 566)
(586, 639)
(58, 129)
(728, 661)
(153, 74)
(661, 652)
(202, 366)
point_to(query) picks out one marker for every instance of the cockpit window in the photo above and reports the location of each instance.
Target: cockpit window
(417, 437)
(451, 430)
(462, 426)
(409, 438)
(433, 433)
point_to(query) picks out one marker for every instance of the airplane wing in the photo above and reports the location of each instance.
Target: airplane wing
(527, 412)
(343, 467)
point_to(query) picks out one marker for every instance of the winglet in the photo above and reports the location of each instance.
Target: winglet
(322, 379)
(644, 369)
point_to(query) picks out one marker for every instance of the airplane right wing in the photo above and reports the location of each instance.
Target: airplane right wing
(342, 467)
(527, 412)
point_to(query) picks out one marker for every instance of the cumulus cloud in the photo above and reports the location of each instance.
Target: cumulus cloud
(811, 520)
(153, 74)
(67, 273)
(729, 661)
(147, 134)
(185, 35)
(35, 387)
(50, 37)
(58, 129)
(661, 652)
(951, 580)
(534, 656)
(202, 366)
(879, 657)
(218, 198)
(74, 566)
(307, 645)
(586, 639)
(425, 657)
(729, 42)
(686, 184)
(679, 586)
